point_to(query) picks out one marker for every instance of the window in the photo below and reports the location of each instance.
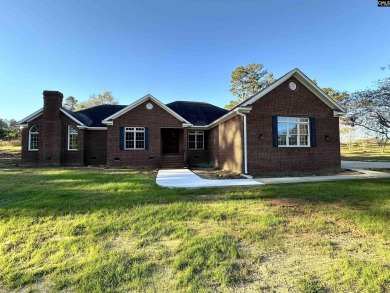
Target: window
(33, 138)
(134, 138)
(73, 138)
(195, 140)
(293, 132)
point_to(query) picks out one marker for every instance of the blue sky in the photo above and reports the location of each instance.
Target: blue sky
(181, 50)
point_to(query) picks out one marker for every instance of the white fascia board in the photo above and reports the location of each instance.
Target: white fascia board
(109, 119)
(96, 128)
(199, 127)
(91, 128)
(243, 110)
(305, 81)
(228, 115)
(185, 125)
(30, 117)
(339, 114)
(108, 122)
(71, 117)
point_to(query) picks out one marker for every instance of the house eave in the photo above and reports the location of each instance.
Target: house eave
(186, 125)
(91, 128)
(339, 113)
(24, 122)
(21, 126)
(229, 115)
(72, 118)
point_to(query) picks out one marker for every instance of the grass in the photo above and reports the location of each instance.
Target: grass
(110, 230)
(115, 230)
(370, 152)
(10, 150)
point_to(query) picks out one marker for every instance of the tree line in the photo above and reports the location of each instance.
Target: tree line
(9, 130)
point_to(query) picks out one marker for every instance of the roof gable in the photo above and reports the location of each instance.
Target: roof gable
(38, 113)
(109, 120)
(310, 85)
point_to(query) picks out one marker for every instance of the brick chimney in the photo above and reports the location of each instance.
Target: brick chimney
(49, 152)
(52, 102)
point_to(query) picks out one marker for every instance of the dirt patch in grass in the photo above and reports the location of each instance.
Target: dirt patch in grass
(208, 173)
(349, 172)
(9, 158)
(285, 203)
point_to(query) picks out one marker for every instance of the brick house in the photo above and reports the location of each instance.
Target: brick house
(290, 126)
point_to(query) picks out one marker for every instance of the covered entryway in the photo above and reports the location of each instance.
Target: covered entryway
(170, 140)
(172, 148)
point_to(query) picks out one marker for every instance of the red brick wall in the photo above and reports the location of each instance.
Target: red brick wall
(53, 143)
(155, 119)
(226, 145)
(198, 157)
(264, 158)
(95, 147)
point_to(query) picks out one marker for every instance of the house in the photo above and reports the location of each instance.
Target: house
(290, 126)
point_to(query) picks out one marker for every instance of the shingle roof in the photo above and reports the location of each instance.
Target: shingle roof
(92, 117)
(199, 114)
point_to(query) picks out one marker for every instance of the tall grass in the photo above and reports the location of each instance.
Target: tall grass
(10, 143)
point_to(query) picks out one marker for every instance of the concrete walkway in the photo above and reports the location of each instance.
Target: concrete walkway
(366, 174)
(364, 165)
(184, 178)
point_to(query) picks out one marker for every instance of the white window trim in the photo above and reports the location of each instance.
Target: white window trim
(134, 130)
(196, 133)
(69, 134)
(298, 136)
(29, 138)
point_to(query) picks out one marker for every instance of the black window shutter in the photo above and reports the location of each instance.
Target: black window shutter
(275, 131)
(121, 138)
(313, 139)
(146, 138)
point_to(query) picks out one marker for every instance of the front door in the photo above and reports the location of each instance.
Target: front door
(170, 140)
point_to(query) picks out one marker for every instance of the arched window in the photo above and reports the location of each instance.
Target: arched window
(33, 138)
(73, 138)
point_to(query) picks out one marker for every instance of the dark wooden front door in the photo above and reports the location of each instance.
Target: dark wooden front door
(170, 140)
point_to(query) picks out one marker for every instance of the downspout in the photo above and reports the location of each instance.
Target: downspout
(245, 144)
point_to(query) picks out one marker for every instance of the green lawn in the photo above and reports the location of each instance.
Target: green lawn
(110, 230)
